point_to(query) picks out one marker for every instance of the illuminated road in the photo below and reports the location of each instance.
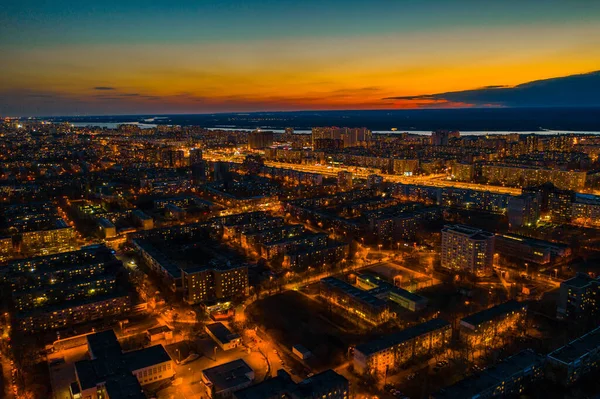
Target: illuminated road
(433, 180)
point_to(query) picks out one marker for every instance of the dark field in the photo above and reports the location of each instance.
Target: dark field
(292, 318)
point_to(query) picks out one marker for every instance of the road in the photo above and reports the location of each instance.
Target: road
(326, 170)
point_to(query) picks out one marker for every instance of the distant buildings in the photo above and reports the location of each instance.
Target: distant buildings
(327, 384)
(349, 137)
(172, 158)
(462, 171)
(389, 352)
(374, 181)
(344, 179)
(442, 137)
(527, 176)
(260, 139)
(467, 249)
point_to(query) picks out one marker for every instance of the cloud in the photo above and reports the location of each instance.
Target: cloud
(567, 91)
(104, 88)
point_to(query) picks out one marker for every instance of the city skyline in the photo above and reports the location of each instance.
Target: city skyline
(111, 58)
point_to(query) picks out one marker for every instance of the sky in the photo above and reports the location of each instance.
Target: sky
(63, 57)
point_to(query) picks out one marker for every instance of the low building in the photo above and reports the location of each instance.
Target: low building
(389, 352)
(107, 228)
(301, 352)
(486, 328)
(143, 220)
(109, 371)
(330, 254)
(222, 381)
(223, 336)
(159, 333)
(578, 358)
(290, 244)
(509, 378)
(384, 290)
(356, 301)
(523, 248)
(327, 384)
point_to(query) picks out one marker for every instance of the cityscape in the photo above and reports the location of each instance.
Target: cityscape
(199, 235)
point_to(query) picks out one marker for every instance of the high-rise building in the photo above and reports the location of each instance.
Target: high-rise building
(442, 137)
(523, 210)
(560, 205)
(221, 171)
(463, 171)
(467, 249)
(260, 139)
(172, 158)
(198, 166)
(205, 283)
(350, 137)
(579, 297)
(374, 181)
(344, 179)
(195, 156)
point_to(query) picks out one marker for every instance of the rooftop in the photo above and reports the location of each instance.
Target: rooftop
(399, 337)
(146, 357)
(491, 377)
(579, 281)
(271, 388)
(493, 313)
(284, 386)
(124, 386)
(476, 234)
(109, 363)
(351, 290)
(383, 285)
(577, 348)
(229, 375)
(221, 332)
